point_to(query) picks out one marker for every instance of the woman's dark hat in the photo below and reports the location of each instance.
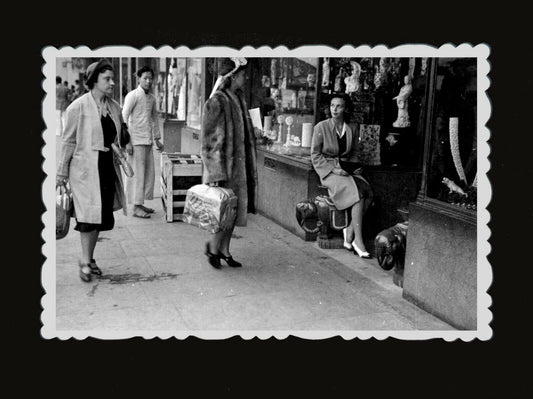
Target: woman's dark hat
(95, 67)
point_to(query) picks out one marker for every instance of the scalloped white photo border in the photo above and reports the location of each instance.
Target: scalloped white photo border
(484, 271)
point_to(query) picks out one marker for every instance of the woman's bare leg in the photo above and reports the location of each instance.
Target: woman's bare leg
(224, 245)
(88, 244)
(357, 219)
(216, 242)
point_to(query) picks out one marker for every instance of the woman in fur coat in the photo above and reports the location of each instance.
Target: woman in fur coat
(86, 159)
(334, 156)
(228, 151)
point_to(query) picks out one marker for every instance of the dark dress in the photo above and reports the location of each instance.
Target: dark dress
(108, 178)
(365, 191)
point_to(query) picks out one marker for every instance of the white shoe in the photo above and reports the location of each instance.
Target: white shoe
(362, 254)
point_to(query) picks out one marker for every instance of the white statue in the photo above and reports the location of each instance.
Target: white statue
(325, 72)
(401, 102)
(352, 81)
(380, 77)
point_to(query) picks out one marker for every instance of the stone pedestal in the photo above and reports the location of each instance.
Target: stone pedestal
(440, 274)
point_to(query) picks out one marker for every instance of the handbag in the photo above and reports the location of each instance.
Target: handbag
(64, 210)
(121, 158)
(210, 208)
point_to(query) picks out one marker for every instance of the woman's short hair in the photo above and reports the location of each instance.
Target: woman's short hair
(145, 69)
(95, 69)
(348, 104)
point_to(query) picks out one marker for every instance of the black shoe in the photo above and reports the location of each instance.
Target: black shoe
(229, 260)
(94, 268)
(214, 260)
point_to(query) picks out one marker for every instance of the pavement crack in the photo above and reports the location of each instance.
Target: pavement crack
(93, 290)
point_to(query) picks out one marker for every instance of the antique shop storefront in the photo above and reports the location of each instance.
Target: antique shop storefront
(418, 133)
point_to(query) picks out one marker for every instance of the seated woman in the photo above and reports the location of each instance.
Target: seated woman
(334, 153)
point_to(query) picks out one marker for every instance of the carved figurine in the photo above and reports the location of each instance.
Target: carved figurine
(401, 102)
(320, 216)
(325, 72)
(380, 77)
(339, 81)
(454, 188)
(390, 246)
(352, 81)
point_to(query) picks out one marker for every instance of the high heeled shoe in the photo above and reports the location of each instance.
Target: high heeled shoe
(362, 254)
(85, 272)
(214, 259)
(229, 260)
(346, 244)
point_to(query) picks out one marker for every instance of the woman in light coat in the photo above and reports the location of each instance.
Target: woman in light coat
(93, 122)
(333, 150)
(229, 151)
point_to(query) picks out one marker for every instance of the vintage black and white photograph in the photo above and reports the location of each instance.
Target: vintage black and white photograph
(266, 192)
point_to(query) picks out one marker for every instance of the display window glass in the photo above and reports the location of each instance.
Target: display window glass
(284, 89)
(389, 98)
(452, 164)
(194, 92)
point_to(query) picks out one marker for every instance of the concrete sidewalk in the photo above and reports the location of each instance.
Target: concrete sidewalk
(157, 278)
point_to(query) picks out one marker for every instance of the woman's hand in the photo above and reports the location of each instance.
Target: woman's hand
(159, 146)
(129, 148)
(61, 180)
(339, 171)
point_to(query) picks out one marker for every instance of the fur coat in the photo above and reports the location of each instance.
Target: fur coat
(81, 141)
(325, 156)
(228, 149)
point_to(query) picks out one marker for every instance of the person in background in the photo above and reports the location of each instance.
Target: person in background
(69, 93)
(62, 102)
(229, 151)
(334, 156)
(140, 114)
(87, 161)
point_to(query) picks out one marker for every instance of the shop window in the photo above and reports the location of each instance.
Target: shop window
(194, 92)
(389, 97)
(175, 100)
(451, 175)
(284, 89)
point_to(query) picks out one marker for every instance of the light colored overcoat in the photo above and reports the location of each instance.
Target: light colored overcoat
(81, 141)
(224, 149)
(325, 156)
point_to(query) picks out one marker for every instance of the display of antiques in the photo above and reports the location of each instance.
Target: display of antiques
(352, 81)
(402, 103)
(319, 216)
(385, 92)
(369, 145)
(452, 172)
(390, 247)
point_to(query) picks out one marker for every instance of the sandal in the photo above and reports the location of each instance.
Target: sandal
(85, 272)
(214, 260)
(94, 268)
(147, 210)
(143, 215)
